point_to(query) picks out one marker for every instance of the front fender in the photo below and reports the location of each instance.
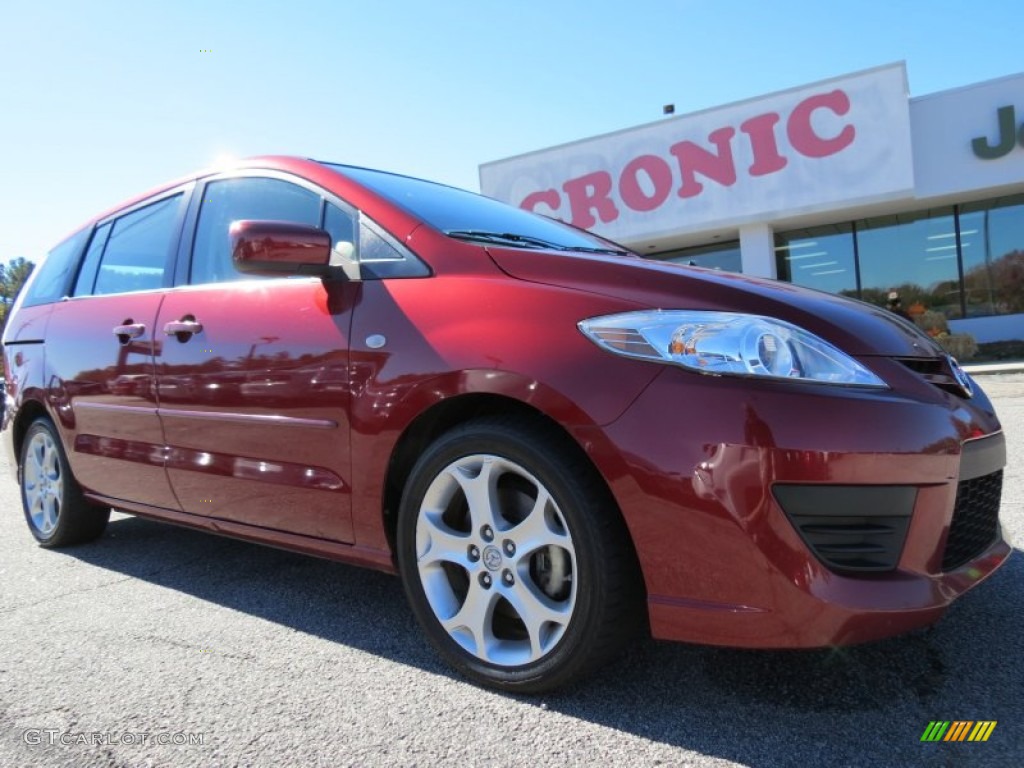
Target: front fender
(446, 337)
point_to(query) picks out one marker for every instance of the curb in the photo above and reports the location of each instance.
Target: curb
(986, 368)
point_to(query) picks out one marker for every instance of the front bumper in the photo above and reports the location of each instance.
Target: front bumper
(722, 560)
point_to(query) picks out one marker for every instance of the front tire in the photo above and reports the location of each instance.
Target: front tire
(57, 513)
(514, 556)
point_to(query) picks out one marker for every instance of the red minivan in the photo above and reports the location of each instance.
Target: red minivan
(555, 442)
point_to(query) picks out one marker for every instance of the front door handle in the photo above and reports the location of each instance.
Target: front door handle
(128, 331)
(184, 328)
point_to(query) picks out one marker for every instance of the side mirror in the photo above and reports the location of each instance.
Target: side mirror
(281, 248)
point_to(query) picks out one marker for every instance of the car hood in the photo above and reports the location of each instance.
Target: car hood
(853, 326)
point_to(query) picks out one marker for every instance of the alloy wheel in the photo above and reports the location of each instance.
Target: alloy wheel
(496, 560)
(43, 482)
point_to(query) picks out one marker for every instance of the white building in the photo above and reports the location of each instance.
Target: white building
(847, 185)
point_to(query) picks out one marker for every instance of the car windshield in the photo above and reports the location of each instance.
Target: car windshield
(468, 216)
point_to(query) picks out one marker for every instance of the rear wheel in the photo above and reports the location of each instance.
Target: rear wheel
(57, 513)
(514, 557)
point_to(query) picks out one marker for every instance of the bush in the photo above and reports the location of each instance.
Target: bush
(962, 346)
(933, 323)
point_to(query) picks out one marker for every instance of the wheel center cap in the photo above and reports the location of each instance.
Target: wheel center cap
(492, 558)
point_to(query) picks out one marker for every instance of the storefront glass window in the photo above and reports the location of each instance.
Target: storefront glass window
(719, 256)
(992, 242)
(914, 254)
(821, 257)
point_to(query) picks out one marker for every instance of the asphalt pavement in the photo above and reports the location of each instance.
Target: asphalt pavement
(160, 646)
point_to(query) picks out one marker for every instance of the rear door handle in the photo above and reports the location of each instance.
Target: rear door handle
(184, 328)
(129, 331)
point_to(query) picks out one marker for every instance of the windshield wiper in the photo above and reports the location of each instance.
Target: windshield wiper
(526, 241)
(595, 249)
(505, 237)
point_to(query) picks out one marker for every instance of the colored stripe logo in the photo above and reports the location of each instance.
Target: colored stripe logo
(959, 730)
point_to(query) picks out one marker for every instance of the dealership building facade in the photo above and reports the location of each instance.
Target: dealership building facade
(846, 185)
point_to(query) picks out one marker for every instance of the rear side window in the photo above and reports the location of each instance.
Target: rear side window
(53, 276)
(237, 199)
(91, 263)
(137, 249)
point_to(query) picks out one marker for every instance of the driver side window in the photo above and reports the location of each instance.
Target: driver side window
(230, 200)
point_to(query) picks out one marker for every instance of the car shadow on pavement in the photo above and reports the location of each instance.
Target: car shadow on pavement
(865, 705)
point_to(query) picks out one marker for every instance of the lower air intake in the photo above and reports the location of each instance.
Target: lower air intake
(850, 528)
(975, 519)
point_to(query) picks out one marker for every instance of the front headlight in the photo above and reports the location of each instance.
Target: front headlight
(727, 344)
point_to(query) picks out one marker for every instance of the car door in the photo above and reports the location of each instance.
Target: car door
(100, 351)
(256, 424)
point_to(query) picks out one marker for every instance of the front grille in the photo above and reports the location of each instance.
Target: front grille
(850, 528)
(975, 519)
(936, 371)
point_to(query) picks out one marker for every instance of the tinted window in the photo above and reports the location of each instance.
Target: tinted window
(452, 210)
(246, 198)
(136, 253)
(913, 254)
(54, 274)
(992, 243)
(718, 256)
(821, 257)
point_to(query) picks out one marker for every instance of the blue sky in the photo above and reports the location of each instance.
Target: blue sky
(102, 100)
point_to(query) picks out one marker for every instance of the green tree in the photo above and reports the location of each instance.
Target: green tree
(12, 277)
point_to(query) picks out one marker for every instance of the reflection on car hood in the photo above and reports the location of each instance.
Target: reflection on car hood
(853, 326)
